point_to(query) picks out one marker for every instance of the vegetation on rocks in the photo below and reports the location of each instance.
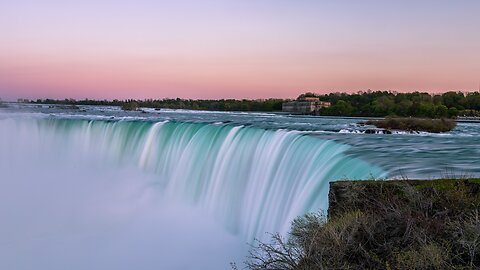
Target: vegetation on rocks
(415, 124)
(383, 225)
(130, 106)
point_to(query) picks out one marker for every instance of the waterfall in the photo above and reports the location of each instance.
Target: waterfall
(251, 180)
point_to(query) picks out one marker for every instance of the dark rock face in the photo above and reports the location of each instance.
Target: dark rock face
(378, 131)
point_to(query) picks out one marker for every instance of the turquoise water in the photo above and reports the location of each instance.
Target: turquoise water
(251, 179)
(400, 155)
(225, 177)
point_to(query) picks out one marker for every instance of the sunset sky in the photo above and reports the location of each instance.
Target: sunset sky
(235, 49)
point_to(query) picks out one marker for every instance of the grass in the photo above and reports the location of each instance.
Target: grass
(441, 184)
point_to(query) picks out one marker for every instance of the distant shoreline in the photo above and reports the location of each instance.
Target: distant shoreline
(459, 119)
(464, 106)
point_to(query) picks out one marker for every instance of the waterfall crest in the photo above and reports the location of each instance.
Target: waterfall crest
(252, 180)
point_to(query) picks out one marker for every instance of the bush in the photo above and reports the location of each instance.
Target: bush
(383, 225)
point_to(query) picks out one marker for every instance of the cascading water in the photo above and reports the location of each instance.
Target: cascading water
(250, 180)
(253, 180)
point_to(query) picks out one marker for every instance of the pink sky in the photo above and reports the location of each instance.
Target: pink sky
(226, 49)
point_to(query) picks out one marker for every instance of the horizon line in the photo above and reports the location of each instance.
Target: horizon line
(252, 99)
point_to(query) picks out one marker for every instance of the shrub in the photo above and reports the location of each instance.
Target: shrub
(428, 256)
(383, 225)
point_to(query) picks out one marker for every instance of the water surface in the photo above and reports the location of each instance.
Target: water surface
(99, 188)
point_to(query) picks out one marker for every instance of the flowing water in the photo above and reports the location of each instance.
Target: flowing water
(98, 188)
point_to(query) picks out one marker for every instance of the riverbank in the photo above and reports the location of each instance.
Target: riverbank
(361, 104)
(432, 224)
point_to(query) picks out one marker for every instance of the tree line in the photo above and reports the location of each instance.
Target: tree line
(387, 103)
(364, 104)
(264, 105)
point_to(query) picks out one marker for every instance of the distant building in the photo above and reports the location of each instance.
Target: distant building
(305, 105)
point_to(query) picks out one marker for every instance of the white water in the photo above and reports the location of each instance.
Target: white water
(79, 194)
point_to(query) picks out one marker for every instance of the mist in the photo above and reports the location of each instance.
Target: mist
(63, 210)
(134, 194)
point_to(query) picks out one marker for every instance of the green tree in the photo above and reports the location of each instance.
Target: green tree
(453, 112)
(453, 99)
(383, 105)
(342, 108)
(441, 111)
